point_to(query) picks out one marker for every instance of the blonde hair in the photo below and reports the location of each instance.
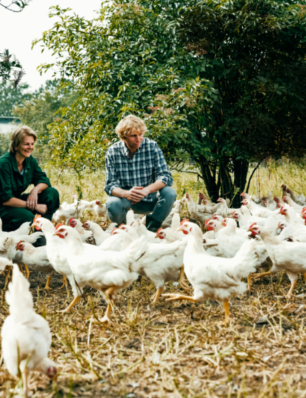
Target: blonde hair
(18, 135)
(129, 125)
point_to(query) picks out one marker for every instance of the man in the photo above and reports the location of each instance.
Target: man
(137, 176)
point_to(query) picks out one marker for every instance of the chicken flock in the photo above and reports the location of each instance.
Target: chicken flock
(216, 248)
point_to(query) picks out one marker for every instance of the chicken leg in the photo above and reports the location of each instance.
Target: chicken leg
(65, 283)
(289, 294)
(110, 303)
(177, 296)
(27, 270)
(25, 382)
(157, 294)
(47, 287)
(7, 276)
(182, 280)
(304, 275)
(74, 302)
(227, 313)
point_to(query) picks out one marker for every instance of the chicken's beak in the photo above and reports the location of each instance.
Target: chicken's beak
(180, 229)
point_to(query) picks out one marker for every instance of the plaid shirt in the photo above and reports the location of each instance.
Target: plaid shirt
(145, 167)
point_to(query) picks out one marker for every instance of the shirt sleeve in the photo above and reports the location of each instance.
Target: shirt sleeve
(112, 180)
(162, 172)
(39, 176)
(6, 192)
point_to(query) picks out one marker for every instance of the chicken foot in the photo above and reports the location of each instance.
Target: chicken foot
(47, 287)
(182, 280)
(177, 296)
(74, 302)
(259, 276)
(289, 294)
(157, 294)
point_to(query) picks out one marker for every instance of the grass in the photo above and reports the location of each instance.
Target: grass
(172, 349)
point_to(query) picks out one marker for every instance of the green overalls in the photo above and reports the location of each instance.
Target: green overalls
(12, 184)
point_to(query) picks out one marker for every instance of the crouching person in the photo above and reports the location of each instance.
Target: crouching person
(18, 170)
(137, 176)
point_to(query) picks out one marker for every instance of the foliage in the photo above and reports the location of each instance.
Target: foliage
(219, 82)
(15, 5)
(11, 97)
(9, 65)
(40, 109)
(4, 143)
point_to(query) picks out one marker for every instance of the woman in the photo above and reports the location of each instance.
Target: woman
(18, 170)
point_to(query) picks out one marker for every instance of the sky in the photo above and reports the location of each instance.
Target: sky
(18, 30)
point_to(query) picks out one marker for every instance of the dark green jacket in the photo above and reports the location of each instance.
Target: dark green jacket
(12, 183)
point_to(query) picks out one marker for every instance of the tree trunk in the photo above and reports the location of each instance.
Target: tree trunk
(224, 186)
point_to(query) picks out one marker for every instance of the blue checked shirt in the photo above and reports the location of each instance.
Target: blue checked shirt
(148, 165)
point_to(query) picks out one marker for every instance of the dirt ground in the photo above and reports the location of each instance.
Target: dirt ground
(176, 349)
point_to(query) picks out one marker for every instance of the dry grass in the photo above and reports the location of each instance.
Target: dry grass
(171, 349)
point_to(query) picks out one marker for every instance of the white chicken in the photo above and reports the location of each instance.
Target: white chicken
(36, 259)
(26, 337)
(86, 236)
(98, 233)
(287, 256)
(106, 271)
(214, 278)
(57, 255)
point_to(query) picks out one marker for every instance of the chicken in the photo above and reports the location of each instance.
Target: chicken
(214, 278)
(259, 211)
(297, 232)
(100, 209)
(24, 229)
(300, 200)
(291, 216)
(107, 271)
(36, 259)
(287, 256)
(86, 236)
(56, 252)
(26, 337)
(290, 202)
(66, 211)
(98, 233)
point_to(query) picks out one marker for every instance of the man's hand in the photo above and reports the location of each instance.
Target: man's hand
(32, 200)
(41, 209)
(136, 194)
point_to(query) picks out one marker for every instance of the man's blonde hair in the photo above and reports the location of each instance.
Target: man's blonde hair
(19, 134)
(129, 125)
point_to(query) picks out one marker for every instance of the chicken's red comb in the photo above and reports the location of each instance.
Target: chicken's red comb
(252, 225)
(72, 218)
(158, 231)
(207, 221)
(303, 209)
(285, 198)
(183, 221)
(121, 226)
(114, 229)
(98, 202)
(215, 217)
(242, 194)
(59, 225)
(282, 209)
(233, 213)
(19, 243)
(187, 195)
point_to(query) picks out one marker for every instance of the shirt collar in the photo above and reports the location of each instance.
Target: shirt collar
(126, 151)
(26, 164)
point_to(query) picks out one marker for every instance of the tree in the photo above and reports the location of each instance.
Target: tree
(15, 5)
(220, 82)
(39, 109)
(11, 97)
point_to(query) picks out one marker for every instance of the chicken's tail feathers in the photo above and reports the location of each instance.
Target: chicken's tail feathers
(246, 259)
(18, 295)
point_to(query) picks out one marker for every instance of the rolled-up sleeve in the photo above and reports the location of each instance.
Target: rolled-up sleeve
(162, 172)
(39, 176)
(6, 192)
(112, 180)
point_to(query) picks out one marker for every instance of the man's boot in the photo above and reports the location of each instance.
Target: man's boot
(152, 224)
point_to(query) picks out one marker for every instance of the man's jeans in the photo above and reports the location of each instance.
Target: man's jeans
(161, 206)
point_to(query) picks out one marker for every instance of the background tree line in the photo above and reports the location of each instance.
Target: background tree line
(219, 82)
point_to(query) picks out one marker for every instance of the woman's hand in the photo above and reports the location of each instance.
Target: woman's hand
(42, 209)
(32, 200)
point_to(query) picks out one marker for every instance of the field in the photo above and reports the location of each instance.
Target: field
(172, 349)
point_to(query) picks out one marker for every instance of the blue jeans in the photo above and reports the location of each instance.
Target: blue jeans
(160, 207)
